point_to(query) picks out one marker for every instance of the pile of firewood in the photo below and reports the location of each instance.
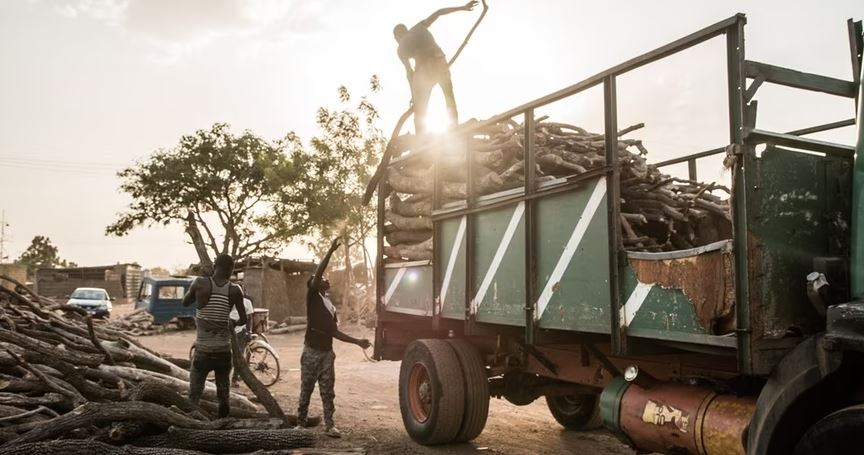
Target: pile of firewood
(73, 387)
(658, 212)
(136, 323)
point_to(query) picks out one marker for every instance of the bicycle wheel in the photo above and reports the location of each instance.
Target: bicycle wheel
(264, 364)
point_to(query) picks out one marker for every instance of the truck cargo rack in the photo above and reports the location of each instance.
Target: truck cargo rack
(743, 138)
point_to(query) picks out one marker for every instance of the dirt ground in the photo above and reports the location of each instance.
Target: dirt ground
(367, 406)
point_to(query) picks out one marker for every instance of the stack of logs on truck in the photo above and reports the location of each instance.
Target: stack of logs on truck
(658, 212)
(74, 387)
(521, 257)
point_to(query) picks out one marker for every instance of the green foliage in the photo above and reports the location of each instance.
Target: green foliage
(41, 253)
(248, 196)
(341, 159)
(233, 185)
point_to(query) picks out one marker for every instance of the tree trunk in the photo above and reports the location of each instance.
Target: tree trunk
(260, 391)
(234, 441)
(347, 300)
(87, 447)
(198, 242)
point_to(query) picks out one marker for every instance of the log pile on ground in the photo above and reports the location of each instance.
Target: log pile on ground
(136, 323)
(70, 386)
(658, 212)
(290, 324)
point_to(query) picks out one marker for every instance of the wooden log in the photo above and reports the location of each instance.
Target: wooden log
(407, 209)
(417, 252)
(180, 386)
(53, 400)
(259, 389)
(234, 441)
(288, 329)
(408, 223)
(29, 343)
(89, 447)
(101, 413)
(408, 237)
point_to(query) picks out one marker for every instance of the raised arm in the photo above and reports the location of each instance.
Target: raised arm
(444, 11)
(319, 272)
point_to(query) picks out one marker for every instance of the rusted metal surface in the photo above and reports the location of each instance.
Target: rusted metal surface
(663, 418)
(675, 418)
(579, 366)
(723, 424)
(706, 279)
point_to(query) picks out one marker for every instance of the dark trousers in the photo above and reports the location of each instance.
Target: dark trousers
(429, 73)
(202, 365)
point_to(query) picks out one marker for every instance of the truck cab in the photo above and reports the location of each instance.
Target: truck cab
(163, 298)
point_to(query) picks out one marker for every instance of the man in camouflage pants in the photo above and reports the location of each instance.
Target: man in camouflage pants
(317, 361)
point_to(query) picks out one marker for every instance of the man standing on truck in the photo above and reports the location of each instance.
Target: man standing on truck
(317, 361)
(215, 296)
(430, 65)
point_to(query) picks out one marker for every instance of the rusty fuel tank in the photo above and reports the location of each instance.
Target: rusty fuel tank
(676, 419)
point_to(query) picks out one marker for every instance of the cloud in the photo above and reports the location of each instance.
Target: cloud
(174, 28)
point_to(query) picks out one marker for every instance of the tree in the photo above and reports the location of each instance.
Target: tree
(339, 163)
(41, 253)
(232, 188)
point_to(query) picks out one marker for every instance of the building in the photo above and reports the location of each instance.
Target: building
(121, 280)
(276, 284)
(17, 272)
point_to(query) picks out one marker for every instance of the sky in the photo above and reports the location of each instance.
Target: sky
(89, 87)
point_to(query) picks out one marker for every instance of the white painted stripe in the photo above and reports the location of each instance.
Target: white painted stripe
(394, 284)
(499, 255)
(571, 246)
(634, 302)
(451, 261)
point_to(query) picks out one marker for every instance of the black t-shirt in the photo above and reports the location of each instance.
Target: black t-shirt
(419, 44)
(320, 324)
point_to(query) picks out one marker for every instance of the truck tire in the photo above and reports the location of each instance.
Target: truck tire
(476, 390)
(576, 412)
(431, 392)
(838, 433)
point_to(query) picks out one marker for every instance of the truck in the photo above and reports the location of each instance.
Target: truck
(163, 298)
(530, 293)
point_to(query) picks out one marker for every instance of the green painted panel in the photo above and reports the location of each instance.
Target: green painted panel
(409, 290)
(800, 210)
(503, 301)
(451, 268)
(579, 300)
(665, 310)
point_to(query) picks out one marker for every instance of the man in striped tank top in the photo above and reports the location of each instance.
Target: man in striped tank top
(214, 296)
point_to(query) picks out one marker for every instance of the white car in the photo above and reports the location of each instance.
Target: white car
(93, 300)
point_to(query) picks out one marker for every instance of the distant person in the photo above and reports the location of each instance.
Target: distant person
(430, 65)
(242, 331)
(215, 296)
(317, 361)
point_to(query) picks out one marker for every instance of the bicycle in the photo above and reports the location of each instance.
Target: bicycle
(261, 357)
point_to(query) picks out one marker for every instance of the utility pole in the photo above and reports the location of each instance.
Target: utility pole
(3, 226)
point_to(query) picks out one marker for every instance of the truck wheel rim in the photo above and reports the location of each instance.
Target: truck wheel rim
(419, 392)
(572, 404)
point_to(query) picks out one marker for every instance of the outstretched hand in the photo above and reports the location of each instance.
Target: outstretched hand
(470, 5)
(334, 244)
(364, 343)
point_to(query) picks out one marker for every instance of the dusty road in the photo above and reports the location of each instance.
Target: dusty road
(367, 407)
